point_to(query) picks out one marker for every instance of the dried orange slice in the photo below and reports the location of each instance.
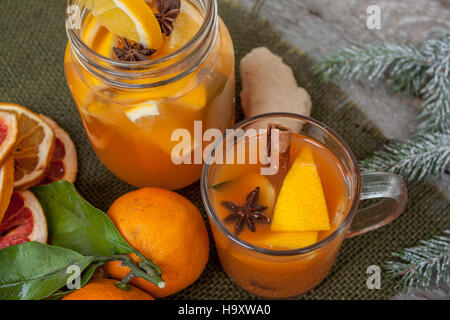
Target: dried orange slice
(24, 221)
(8, 134)
(34, 146)
(132, 19)
(6, 184)
(64, 164)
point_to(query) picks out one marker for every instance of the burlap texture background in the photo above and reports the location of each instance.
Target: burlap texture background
(33, 40)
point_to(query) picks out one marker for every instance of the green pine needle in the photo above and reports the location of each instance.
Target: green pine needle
(371, 62)
(426, 154)
(423, 72)
(423, 265)
(436, 91)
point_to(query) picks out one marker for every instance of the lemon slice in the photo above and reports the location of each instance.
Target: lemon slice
(131, 19)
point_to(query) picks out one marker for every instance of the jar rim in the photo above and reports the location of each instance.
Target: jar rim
(353, 206)
(151, 67)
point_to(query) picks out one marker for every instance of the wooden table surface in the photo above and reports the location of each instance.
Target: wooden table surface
(319, 27)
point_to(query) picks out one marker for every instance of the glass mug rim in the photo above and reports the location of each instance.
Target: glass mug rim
(293, 252)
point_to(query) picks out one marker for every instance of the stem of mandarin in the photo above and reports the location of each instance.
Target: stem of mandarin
(124, 283)
(148, 265)
(149, 275)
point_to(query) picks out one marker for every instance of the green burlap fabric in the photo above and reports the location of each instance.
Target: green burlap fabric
(32, 46)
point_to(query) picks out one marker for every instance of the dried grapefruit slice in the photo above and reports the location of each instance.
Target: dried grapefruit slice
(6, 184)
(8, 134)
(64, 164)
(24, 221)
(33, 148)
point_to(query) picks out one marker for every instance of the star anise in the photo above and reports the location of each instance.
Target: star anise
(132, 52)
(168, 11)
(249, 213)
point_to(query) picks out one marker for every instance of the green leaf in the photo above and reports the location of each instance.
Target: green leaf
(85, 277)
(33, 270)
(75, 224)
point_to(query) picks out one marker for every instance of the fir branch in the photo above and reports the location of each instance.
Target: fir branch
(423, 265)
(423, 72)
(436, 92)
(370, 62)
(423, 294)
(426, 154)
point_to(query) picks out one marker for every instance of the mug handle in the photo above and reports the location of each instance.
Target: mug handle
(388, 186)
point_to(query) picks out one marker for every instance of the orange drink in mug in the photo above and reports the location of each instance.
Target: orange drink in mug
(278, 232)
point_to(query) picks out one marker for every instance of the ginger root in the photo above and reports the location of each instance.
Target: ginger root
(269, 85)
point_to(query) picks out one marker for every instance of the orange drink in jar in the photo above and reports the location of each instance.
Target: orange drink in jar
(131, 104)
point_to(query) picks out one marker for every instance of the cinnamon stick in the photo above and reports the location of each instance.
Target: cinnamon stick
(277, 153)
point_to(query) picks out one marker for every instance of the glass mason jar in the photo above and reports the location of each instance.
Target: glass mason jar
(272, 273)
(130, 110)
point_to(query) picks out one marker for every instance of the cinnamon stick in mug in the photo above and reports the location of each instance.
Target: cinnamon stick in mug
(277, 154)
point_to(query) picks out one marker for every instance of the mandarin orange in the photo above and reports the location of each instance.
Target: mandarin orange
(166, 228)
(106, 289)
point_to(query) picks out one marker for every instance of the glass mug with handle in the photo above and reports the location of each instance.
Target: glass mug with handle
(273, 272)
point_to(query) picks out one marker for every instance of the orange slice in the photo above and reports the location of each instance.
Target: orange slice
(24, 221)
(8, 134)
(64, 164)
(238, 189)
(34, 146)
(289, 240)
(186, 25)
(6, 184)
(301, 204)
(98, 38)
(194, 101)
(132, 19)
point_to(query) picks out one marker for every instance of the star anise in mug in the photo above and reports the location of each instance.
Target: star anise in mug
(250, 213)
(168, 11)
